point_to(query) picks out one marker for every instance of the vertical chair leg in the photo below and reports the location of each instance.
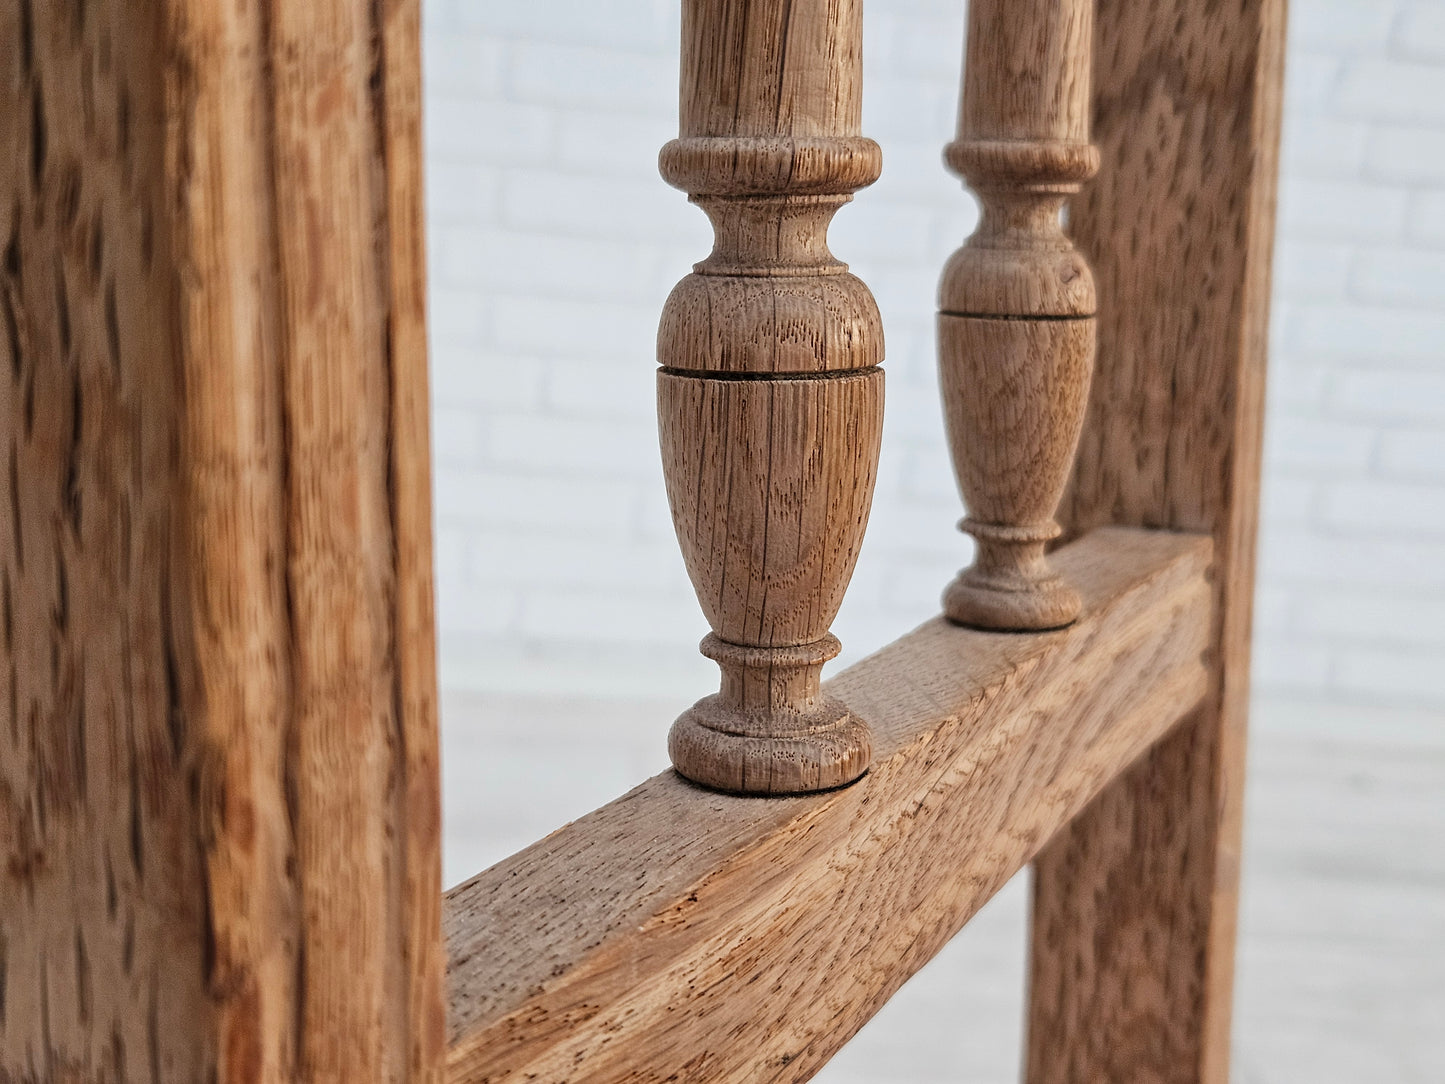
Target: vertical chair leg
(1135, 903)
(219, 807)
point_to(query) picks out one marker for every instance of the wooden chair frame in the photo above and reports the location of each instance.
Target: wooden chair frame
(219, 804)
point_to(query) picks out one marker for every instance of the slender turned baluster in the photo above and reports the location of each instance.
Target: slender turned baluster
(770, 399)
(1016, 326)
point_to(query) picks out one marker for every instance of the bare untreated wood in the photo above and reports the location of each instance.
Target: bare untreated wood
(1016, 305)
(1135, 904)
(218, 784)
(682, 934)
(103, 935)
(770, 399)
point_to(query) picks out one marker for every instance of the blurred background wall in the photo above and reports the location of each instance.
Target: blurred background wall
(554, 243)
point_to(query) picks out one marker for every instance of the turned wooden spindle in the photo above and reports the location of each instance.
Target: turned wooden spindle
(770, 399)
(1016, 320)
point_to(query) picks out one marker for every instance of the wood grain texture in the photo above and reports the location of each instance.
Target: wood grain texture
(1135, 905)
(103, 933)
(770, 398)
(219, 804)
(685, 935)
(1015, 326)
(422, 961)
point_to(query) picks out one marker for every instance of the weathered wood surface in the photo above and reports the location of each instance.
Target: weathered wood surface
(1016, 305)
(682, 934)
(218, 785)
(770, 399)
(1135, 905)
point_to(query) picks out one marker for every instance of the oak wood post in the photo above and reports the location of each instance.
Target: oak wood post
(1016, 319)
(218, 771)
(770, 397)
(1134, 905)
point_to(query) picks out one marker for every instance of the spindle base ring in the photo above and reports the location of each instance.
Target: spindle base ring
(820, 749)
(1022, 605)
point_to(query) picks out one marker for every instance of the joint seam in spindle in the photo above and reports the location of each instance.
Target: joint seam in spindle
(733, 374)
(1017, 316)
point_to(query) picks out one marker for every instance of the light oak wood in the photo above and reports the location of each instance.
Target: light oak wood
(218, 773)
(1015, 326)
(770, 399)
(1134, 910)
(681, 934)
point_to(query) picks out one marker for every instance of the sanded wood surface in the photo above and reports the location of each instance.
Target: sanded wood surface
(682, 934)
(770, 399)
(1016, 305)
(218, 773)
(1135, 905)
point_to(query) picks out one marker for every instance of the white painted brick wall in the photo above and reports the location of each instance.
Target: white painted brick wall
(554, 243)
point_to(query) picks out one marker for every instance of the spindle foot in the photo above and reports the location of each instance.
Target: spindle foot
(833, 752)
(771, 730)
(1010, 586)
(1026, 606)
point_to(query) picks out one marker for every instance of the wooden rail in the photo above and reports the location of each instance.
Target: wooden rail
(683, 934)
